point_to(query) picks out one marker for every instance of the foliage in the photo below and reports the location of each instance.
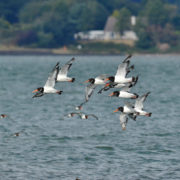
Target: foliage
(123, 20)
(52, 23)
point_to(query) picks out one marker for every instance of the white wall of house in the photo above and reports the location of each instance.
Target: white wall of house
(108, 33)
(90, 35)
(130, 35)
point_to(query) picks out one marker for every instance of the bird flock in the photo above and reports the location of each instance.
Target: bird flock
(119, 81)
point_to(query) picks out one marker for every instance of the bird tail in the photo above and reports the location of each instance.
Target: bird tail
(59, 92)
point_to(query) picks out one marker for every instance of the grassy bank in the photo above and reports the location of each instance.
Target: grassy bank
(85, 48)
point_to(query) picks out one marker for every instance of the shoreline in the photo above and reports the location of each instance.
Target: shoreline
(61, 51)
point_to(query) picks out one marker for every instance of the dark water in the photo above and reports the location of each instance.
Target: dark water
(53, 147)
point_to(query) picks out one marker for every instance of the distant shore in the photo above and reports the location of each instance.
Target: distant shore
(13, 50)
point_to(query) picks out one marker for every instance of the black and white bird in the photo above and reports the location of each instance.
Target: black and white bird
(138, 107)
(86, 116)
(3, 116)
(72, 114)
(127, 109)
(122, 71)
(99, 80)
(89, 89)
(81, 115)
(63, 71)
(124, 93)
(49, 85)
(111, 85)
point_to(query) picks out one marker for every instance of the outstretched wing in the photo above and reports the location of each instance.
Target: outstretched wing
(123, 120)
(89, 91)
(38, 94)
(52, 76)
(127, 58)
(122, 69)
(102, 77)
(93, 116)
(139, 101)
(129, 105)
(132, 116)
(64, 69)
(126, 88)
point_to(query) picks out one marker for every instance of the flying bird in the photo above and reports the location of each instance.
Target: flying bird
(138, 107)
(49, 85)
(127, 109)
(81, 115)
(124, 93)
(89, 89)
(122, 71)
(3, 116)
(110, 85)
(99, 80)
(72, 114)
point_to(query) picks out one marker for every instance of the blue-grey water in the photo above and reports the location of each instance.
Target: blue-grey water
(51, 146)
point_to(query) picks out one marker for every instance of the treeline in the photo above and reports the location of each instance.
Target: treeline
(52, 23)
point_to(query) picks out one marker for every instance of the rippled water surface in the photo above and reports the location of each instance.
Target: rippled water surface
(51, 146)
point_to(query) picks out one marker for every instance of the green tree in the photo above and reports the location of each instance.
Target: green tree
(60, 19)
(123, 20)
(155, 12)
(88, 16)
(9, 9)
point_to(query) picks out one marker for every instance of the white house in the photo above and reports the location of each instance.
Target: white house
(109, 32)
(90, 35)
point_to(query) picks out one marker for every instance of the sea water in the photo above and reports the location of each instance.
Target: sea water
(53, 146)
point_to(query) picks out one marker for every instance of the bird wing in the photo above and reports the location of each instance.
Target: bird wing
(140, 100)
(132, 116)
(122, 69)
(123, 120)
(129, 105)
(93, 116)
(64, 69)
(107, 87)
(129, 69)
(52, 76)
(127, 58)
(38, 94)
(126, 88)
(102, 77)
(89, 90)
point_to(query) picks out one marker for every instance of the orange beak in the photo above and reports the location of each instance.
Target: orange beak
(116, 110)
(107, 79)
(35, 91)
(86, 81)
(111, 94)
(107, 84)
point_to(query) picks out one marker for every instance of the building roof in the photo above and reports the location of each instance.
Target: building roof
(110, 24)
